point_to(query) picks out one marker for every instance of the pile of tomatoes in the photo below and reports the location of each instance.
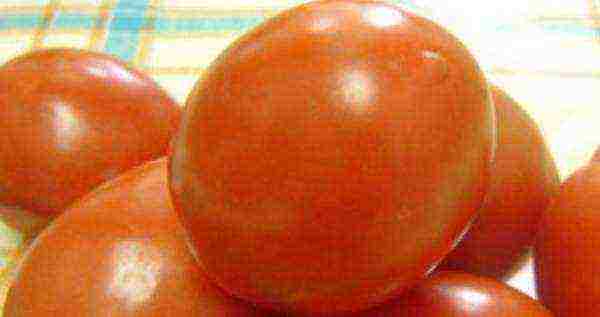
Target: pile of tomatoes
(344, 158)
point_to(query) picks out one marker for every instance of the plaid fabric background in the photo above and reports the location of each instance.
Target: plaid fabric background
(545, 53)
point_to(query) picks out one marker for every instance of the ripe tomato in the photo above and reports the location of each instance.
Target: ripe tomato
(464, 295)
(567, 257)
(524, 178)
(120, 251)
(329, 158)
(72, 119)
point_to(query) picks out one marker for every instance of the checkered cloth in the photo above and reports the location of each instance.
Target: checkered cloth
(544, 53)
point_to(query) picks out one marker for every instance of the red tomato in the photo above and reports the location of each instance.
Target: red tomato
(460, 294)
(523, 179)
(567, 254)
(118, 252)
(329, 158)
(72, 119)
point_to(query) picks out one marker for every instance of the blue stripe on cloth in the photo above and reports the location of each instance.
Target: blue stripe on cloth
(407, 4)
(571, 29)
(206, 24)
(129, 20)
(124, 31)
(20, 22)
(74, 21)
(562, 28)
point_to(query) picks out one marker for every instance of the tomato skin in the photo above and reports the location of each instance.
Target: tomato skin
(332, 156)
(524, 178)
(462, 294)
(566, 251)
(72, 119)
(120, 251)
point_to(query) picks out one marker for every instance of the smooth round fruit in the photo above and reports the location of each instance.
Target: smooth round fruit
(329, 158)
(120, 251)
(524, 177)
(72, 119)
(567, 256)
(464, 295)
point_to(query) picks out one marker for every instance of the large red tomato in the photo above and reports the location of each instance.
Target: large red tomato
(120, 251)
(524, 178)
(567, 253)
(329, 158)
(462, 295)
(72, 119)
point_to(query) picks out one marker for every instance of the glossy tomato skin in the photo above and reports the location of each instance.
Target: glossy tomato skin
(461, 294)
(566, 256)
(524, 178)
(72, 119)
(329, 158)
(120, 251)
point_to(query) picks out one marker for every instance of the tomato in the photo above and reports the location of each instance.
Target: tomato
(72, 119)
(524, 178)
(332, 156)
(120, 251)
(464, 295)
(567, 257)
